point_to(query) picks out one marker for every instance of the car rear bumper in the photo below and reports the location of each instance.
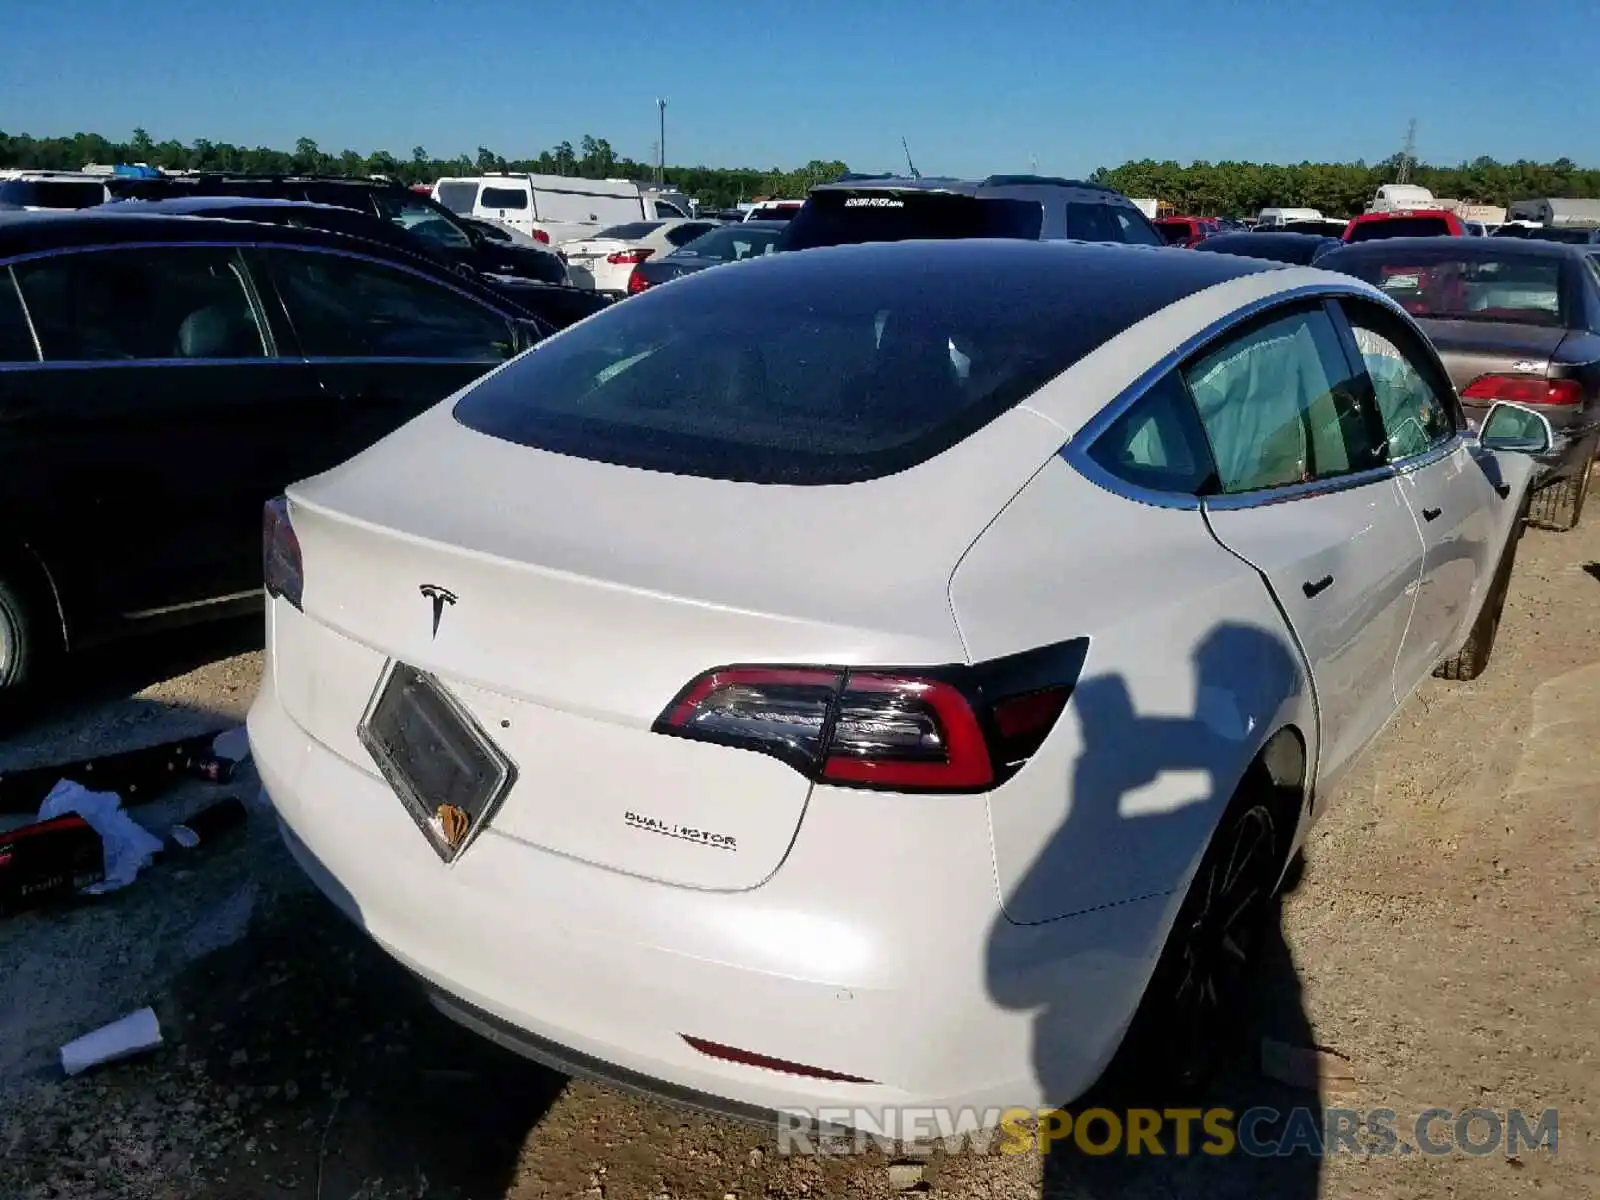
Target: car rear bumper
(877, 951)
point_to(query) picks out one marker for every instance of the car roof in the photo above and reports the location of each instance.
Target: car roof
(1459, 248)
(960, 187)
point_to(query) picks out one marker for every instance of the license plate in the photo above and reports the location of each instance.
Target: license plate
(446, 770)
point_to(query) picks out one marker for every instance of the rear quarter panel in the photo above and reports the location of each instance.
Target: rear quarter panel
(1190, 669)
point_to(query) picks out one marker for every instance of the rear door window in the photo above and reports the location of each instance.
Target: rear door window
(141, 304)
(1279, 405)
(1159, 443)
(842, 217)
(344, 307)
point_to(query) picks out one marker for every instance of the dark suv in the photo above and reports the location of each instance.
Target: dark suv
(889, 208)
(420, 216)
(162, 377)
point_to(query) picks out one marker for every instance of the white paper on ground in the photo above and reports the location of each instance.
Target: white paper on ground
(128, 846)
(129, 1035)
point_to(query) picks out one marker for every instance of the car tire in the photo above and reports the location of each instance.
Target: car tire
(1192, 1011)
(1559, 507)
(27, 641)
(1469, 662)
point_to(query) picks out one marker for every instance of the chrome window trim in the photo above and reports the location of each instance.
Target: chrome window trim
(1076, 451)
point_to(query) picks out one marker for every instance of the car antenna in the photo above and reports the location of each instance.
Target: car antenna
(911, 166)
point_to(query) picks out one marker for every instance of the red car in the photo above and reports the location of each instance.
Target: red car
(1411, 223)
(1187, 231)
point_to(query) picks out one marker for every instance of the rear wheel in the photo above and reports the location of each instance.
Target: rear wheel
(1192, 1009)
(1560, 506)
(27, 637)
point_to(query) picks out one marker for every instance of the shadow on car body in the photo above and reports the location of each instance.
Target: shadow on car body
(1267, 1004)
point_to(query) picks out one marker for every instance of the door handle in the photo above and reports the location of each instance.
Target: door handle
(1431, 514)
(1312, 589)
(1504, 489)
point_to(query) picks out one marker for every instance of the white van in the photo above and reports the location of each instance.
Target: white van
(557, 208)
(1282, 216)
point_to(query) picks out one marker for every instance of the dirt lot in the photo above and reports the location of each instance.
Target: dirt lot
(1441, 946)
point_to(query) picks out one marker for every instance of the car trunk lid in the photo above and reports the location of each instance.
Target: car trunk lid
(584, 596)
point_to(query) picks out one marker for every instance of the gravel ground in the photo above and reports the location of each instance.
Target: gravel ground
(1440, 946)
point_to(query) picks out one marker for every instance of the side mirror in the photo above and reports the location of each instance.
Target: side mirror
(1517, 428)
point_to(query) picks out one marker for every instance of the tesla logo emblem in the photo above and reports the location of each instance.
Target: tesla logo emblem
(440, 598)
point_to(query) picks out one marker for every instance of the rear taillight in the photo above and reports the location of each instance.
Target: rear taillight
(624, 258)
(280, 553)
(541, 236)
(1524, 389)
(941, 729)
(636, 282)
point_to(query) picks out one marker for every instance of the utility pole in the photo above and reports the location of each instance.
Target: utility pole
(1408, 153)
(661, 145)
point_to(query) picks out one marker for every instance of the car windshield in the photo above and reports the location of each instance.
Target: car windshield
(730, 243)
(1398, 227)
(844, 217)
(414, 214)
(633, 231)
(1454, 288)
(803, 369)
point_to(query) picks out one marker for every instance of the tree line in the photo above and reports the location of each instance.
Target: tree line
(592, 158)
(1219, 189)
(1340, 189)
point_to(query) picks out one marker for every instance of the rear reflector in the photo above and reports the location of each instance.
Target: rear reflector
(746, 1058)
(1524, 389)
(940, 729)
(541, 236)
(280, 553)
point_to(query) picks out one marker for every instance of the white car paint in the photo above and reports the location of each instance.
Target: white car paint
(558, 208)
(936, 944)
(603, 264)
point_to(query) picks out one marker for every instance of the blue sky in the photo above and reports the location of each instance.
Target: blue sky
(975, 88)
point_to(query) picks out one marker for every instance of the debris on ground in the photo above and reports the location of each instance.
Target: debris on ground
(127, 846)
(123, 1038)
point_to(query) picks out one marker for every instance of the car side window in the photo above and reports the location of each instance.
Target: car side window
(16, 339)
(344, 307)
(1158, 443)
(1133, 227)
(1091, 223)
(168, 302)
(1415, 417)
(1279, 405)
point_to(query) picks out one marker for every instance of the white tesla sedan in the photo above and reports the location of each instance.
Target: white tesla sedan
(872, 676)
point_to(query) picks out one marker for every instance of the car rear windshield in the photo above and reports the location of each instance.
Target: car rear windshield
(457, 197)
(1173, 234)
(1522, 290)
(778, 212)
(809, 369)
(52, 193)
(843, 218)
(1397, 227)
(631, 232)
